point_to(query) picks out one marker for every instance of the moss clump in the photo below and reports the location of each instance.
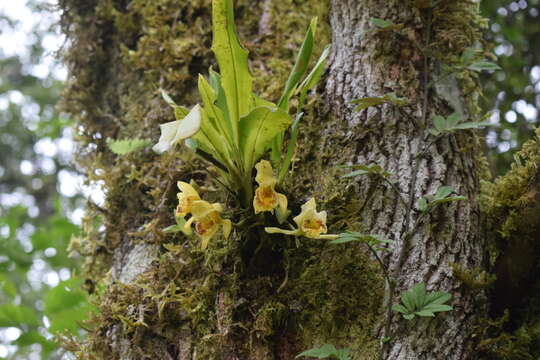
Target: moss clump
(475, 278)
(495, 343)
(338, 294)
(512, 200)
(512, 207)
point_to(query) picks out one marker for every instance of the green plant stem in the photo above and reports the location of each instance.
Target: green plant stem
(397, 191)
(390, 284)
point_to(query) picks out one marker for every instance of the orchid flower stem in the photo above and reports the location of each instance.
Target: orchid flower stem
(275, 230)
(390, 284)
(328, 237)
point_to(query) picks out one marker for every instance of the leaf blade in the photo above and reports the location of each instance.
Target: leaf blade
(300, 66)
(258, 129)
(232, 59)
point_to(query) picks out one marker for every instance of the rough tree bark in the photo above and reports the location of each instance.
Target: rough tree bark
(392, 139)
(164, 299)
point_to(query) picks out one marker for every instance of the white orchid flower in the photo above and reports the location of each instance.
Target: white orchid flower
(174, 131)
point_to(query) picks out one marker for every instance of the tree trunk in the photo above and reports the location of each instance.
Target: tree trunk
(369, 64)
(259, 297)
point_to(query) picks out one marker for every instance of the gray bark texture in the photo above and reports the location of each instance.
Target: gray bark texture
(392, 138)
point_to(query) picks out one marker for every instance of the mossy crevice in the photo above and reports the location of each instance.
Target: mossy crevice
(511, 204)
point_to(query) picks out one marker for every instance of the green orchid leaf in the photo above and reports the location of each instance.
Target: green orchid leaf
(233, 62)
(259, 101)
(220, 122)
(314, 76)
(126, 146)
(291, 147)
(211, 140)
(299, 69)
(258, 129)
(300, 66)
(221, 99)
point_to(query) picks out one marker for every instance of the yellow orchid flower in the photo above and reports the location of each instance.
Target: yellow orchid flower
(185, 199)
(311, 224)
(266, 197)
(207, 220)
(309, 221)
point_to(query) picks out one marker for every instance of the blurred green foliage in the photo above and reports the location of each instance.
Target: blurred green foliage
(514, 91)
(39, 296)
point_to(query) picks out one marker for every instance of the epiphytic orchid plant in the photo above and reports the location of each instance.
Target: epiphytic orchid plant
(234, 127)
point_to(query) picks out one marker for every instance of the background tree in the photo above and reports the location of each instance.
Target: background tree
(513, 92)
(38, 297)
